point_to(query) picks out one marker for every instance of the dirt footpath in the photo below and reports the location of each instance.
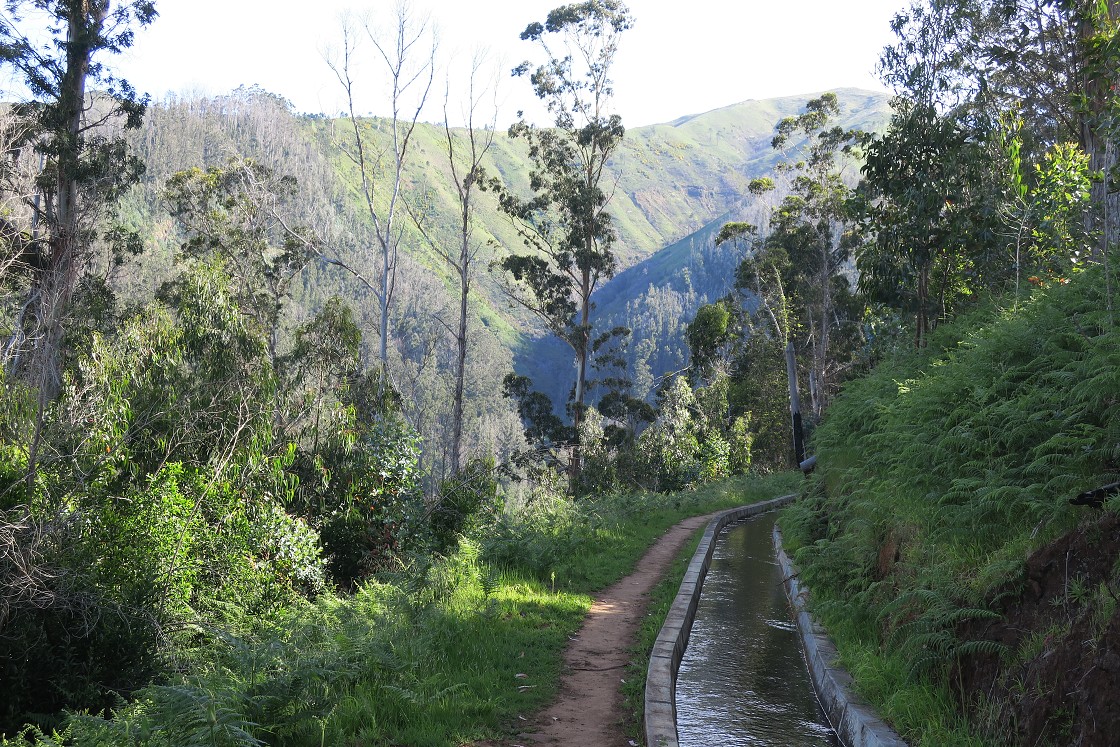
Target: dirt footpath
(588, 710)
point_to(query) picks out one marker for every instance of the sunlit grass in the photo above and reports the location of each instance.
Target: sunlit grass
(464, 649)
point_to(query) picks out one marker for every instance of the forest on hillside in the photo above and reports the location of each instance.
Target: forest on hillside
(292, 406)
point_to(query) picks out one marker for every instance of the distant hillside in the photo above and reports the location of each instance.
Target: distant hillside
(675, 184)
(659, 295)
(676, 178)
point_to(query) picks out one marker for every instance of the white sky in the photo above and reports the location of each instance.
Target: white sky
(682, 56)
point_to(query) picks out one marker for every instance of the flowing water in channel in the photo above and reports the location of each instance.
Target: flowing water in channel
(743, 679)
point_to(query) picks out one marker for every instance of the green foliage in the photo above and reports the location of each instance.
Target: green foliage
(176, 499)
(65, 639)
(378, 511)
(242, 215)
(608, 464)
(714, 458)
(694, 439)
(707, 334)
(796, 270)
(983, 57)
(17, 418)
(584, 544)
(758, 389)
(454, 650)
(791, 289)
(930, 199)
(741, 442)
(168, 505)
(942, 470)
(464, 499)
(1049, 215)
(1059, 205)
(670, 446)
(543, 428)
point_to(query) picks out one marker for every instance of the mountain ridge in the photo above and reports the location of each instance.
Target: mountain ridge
(673, 186)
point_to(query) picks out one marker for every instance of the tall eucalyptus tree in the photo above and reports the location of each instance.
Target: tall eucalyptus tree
(55, 49)
(565, 224)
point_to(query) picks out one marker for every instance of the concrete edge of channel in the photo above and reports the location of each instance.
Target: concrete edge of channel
(665, 659)
(854, 721)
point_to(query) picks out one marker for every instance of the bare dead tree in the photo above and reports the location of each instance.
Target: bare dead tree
(408, 58)
(466, 149)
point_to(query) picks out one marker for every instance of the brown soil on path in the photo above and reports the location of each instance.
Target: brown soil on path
(588, 710)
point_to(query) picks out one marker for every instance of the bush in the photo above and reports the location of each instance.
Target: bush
(379, 512)
(461, 499)
(669, 446)
(714, 458)
(741, 440)
(66, 640)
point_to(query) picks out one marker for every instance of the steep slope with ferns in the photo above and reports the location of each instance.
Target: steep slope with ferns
(939, 536)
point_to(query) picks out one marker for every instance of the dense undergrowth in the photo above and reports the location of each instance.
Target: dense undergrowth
(450, 650)
(938, 474)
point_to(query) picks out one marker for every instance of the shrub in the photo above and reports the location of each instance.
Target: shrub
(740, 442)
(714, 458)
(461, 498)
(66, 639)
(669, 446)
(379, 513)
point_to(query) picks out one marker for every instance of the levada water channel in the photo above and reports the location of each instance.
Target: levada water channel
(743, 679)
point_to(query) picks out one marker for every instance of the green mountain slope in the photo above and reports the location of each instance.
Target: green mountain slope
(674, 184)
(675, 178)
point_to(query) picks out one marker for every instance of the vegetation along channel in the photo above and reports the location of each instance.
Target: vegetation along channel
(332, 424)
(743, 680)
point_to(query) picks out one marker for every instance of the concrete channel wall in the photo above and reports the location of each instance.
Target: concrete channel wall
(854, 721)
(665, 660)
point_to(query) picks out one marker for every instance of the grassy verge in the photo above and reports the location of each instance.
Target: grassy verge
(590, 545)
(660, 600)
(460, 650)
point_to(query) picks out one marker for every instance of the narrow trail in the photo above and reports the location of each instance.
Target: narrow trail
(588, 709)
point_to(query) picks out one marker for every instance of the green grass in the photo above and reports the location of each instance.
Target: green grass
(962, 459)
(589, 545)
(660, 600)
(455, 650)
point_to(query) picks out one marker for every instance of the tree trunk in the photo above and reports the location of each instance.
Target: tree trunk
(60, 276)
(1097, 79)
(794, 406)
(461, 339)
(921, 324)
(827, 269)
(583, 343)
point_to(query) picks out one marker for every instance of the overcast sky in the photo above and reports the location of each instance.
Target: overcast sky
(682, 56)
